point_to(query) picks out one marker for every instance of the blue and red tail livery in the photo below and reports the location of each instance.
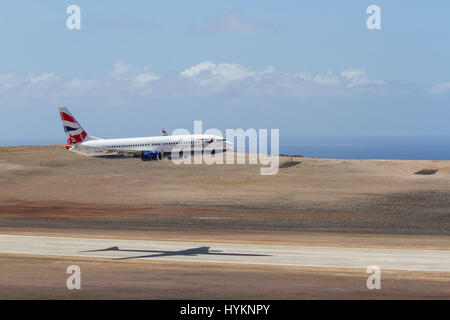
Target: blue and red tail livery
(75, 133)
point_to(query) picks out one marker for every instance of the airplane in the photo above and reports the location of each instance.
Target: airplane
(147, 148)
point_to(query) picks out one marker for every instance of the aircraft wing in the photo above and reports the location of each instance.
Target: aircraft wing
(126, 152)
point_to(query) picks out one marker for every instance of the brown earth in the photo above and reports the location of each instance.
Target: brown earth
(46, 190)
(49, 188)
(41, 277)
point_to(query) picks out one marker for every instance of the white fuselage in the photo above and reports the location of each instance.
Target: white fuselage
(163, 144)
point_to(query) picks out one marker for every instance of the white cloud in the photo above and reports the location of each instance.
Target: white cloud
(43, 77)
(197, 69)
(9, 81)
(208, 73)
(144, 78)
(358, 77)
(440, 88)
(268, 70)
(125, 82)
(221, 77)
(120, 68)
(327, 79)
(29, 83)
(79, 84)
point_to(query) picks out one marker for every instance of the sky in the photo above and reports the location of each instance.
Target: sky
(308, 68)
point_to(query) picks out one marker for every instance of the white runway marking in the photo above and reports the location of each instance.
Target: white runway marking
(334, 257)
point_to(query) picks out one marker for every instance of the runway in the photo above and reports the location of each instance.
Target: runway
(205, 252)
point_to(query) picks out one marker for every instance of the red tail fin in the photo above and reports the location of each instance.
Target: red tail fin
(74, 132)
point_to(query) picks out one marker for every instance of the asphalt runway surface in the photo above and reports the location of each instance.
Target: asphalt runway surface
(204, 252)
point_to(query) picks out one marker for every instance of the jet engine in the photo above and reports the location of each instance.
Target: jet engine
(151, 155)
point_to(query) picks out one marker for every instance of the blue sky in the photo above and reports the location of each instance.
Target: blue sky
(309, 68)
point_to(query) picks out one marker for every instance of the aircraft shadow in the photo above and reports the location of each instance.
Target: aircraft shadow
(187, 252)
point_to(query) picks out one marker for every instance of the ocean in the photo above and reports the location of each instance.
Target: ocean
(401, 148)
